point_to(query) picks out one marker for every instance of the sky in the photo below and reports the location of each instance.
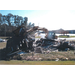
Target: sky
(50, 19)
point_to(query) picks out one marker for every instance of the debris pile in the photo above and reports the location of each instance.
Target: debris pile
(47, 46)
(23, 40)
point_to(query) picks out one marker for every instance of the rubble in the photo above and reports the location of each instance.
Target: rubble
(23, 42)
(66, 58)
(57, 59)
(47, 46)
(38, 50)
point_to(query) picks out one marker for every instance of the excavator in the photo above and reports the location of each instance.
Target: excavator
(22, 39)
(48, 34)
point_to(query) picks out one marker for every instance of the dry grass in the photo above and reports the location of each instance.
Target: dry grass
(66, 55)
(2, 45)
(3, 37)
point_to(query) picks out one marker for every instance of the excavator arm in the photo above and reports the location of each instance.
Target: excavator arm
(49, 35)
(38, 28)
(32, 29)
(45, 30)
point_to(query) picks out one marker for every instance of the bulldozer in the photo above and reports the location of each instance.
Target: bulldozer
(23, 41)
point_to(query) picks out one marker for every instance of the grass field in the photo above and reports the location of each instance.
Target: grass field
(23, 62)
(66, 36)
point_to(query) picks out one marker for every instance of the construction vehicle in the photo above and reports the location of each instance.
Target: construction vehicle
(46, 34)
(22, 39)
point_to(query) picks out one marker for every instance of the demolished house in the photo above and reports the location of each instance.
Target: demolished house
(23, 40)
(20, 41)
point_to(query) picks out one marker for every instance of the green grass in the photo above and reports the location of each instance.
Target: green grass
(23, 62)
(66, 36)
(37, 37)
(63, 37)
(72, 36)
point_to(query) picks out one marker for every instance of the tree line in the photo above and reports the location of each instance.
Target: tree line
(10, 22)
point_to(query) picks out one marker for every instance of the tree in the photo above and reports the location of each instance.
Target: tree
(66, 32)
(9, 22)
(18, 20)
(25, 21)
(0, 14)
(8, 18)
(29, 25)
(32, 25)
(15, 20)
(0, 18)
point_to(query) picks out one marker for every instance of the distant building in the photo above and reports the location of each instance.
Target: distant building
(60, 31)
(71, 31)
